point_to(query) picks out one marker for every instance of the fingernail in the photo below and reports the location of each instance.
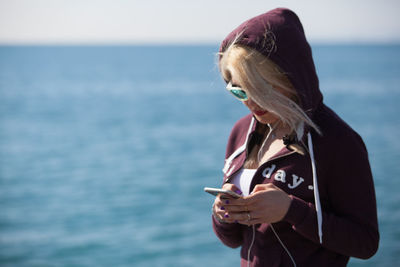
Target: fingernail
(239, 192)
(222, 208)
(226, 216)
(226, 201)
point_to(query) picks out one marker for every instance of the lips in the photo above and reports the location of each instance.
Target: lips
(259, 112)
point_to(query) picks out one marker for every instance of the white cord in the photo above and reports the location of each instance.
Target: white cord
(260, 151)
(316, 191)
(251, 245)
(284, 247)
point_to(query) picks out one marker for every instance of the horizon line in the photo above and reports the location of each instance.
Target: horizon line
(191, 43)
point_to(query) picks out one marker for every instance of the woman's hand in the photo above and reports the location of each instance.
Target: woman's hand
(266, 204)
(219, 211)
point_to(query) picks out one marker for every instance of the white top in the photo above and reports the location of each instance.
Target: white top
(243, 179)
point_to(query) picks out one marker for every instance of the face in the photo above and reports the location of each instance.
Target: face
(262, 115)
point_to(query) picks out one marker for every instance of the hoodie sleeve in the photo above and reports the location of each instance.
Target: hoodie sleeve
(229, 233)
(350, 224)
(232, 234)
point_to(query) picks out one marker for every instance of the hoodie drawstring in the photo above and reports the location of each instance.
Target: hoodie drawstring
(238, 151)
(315, 185)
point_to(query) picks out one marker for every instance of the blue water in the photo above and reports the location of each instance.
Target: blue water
(104, 151)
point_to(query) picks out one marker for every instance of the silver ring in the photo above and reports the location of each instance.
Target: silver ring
(248, 216)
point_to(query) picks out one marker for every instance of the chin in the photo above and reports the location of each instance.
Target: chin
(266, 119)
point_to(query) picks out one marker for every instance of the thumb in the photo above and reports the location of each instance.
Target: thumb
(232, 187)
(259, 187)
(263, 187)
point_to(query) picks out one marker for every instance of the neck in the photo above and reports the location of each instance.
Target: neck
(276, 130)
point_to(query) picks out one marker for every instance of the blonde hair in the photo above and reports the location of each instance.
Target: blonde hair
(260, 77)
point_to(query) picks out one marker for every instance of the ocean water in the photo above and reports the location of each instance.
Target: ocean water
(104, 151)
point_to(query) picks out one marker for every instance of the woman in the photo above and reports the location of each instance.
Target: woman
(307, 191)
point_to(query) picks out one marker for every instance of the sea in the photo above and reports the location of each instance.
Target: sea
(105, 150)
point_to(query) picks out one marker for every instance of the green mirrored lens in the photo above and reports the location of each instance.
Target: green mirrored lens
(239, 94)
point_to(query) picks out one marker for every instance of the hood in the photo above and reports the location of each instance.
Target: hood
(279, 35)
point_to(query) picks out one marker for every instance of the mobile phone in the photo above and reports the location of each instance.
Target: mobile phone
(216, 191)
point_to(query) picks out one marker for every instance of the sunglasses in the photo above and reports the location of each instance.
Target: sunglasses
(237, 92)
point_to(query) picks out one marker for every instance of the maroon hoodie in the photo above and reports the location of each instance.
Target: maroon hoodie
(332, 215)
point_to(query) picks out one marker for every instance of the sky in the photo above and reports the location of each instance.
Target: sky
(188, 21)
